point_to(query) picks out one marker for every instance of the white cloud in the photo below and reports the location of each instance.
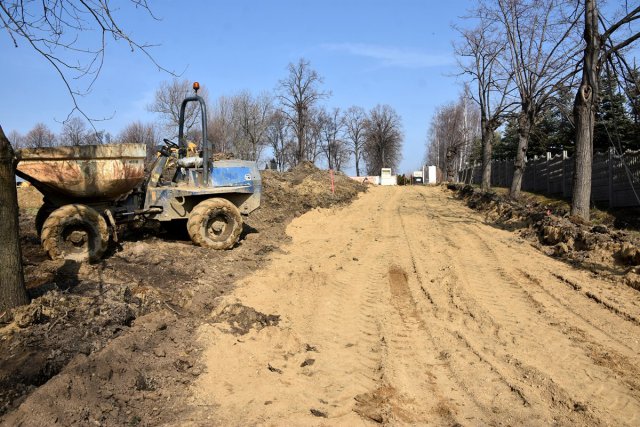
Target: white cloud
(392, 56)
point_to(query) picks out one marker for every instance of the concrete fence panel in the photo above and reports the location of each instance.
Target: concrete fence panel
(615, 178)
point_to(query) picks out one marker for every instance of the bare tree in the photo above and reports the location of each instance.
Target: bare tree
(71, 36)
(168, 100)
(40, 136)
(141, 133)
(334, 148)
(251, 117)
(483, 51)
(239, 124)
(74, 132)
(298, 93)
(600, 48)
(279, 139)
(453, 132)
(221, 127)
(312, 137)
(539, 55)
(97, 137)
(384, 137)
(17, 139)
(354, 120)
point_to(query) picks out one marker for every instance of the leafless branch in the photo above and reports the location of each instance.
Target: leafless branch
(71, 35)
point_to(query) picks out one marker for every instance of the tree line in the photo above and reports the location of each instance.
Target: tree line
(541, 75)
(289, 125)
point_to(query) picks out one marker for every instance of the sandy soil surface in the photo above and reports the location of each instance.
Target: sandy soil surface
(405, 307)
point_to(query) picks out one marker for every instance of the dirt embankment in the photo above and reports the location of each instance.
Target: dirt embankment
(599, 247)
(112, 343)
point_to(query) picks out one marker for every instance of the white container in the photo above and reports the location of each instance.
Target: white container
(386, 178)
(432, 175)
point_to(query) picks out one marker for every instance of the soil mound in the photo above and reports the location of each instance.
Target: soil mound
(288, 194)
(29, 197)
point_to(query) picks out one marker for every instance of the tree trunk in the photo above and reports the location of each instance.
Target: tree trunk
(451, 153)
(524, 130)
(357, 163)
(487, 148)
(584, 115)
(12, 290)
(302, 145)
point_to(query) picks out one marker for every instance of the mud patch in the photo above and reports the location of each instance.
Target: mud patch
(398, 282)
(241, 319)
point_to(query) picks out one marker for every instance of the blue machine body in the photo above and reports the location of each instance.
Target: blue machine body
(239, 181)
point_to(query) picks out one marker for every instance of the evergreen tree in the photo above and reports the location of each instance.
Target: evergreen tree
(614, 125)
(633, 96)
(505, 148)
(552, 133)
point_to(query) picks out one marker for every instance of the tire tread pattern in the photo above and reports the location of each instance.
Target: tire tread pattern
(196, 225)
(54, 224)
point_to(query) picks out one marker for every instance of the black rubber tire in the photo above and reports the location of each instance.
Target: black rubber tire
(42, 215)
(75, 232)
(201, 228)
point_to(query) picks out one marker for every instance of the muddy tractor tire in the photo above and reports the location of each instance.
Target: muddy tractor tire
(215, 223)
(75, 232)
(42, 215)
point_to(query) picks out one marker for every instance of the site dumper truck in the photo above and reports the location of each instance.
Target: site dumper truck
(90, 190)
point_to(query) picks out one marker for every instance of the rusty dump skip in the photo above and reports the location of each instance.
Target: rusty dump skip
(95, 172)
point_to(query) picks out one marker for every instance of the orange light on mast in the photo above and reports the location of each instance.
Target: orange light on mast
(196, 86)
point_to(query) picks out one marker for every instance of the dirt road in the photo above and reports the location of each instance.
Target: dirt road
(406, 308)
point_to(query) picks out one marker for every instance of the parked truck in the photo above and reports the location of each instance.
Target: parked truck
(90, 190)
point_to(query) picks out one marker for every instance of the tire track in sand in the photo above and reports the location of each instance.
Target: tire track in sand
(404, 308)
(537, 350)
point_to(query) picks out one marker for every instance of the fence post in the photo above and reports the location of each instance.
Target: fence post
(506, 174)
(564, 173)
(610, 175)
(535, 161)
(548, 174)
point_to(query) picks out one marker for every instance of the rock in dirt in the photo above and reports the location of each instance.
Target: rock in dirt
(561, 249)
(318, 413)
(274, 369)
(242, 319)
(602, 229)
(30, 315)
(307, 362)
(629, 254)
(551, 234)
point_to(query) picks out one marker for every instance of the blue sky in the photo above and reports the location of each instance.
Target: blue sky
(368, 52)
